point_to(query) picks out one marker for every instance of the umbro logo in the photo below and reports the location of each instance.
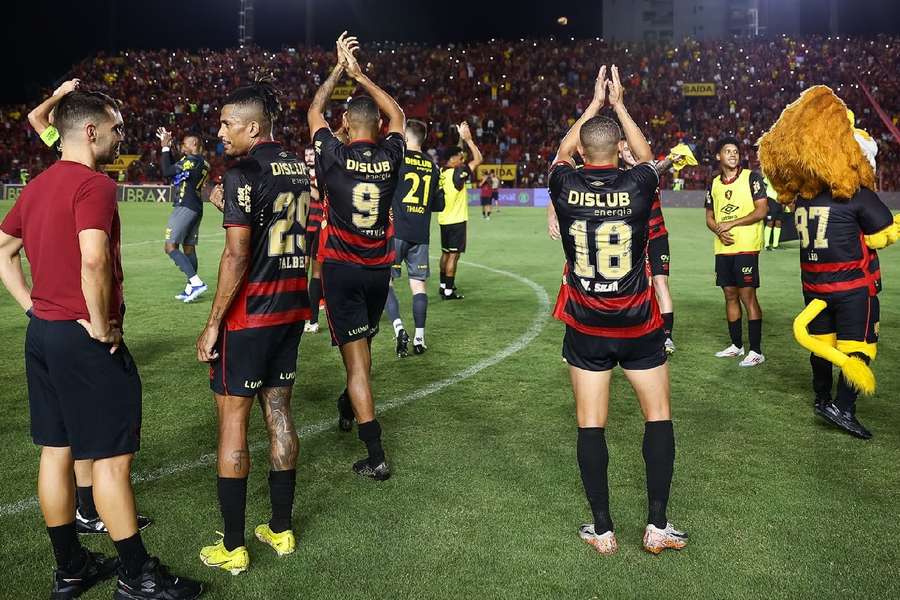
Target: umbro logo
(283, 154)
(596, 184)
(367, 154)
(729, 208)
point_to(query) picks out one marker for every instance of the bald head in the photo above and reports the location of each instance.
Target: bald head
(362, 119)
(191, 144)
(600, 137)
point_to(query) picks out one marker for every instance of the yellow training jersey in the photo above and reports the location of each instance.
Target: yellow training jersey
(730, 200)
(454, 184)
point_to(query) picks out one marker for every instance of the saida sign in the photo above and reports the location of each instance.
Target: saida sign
(698, 89)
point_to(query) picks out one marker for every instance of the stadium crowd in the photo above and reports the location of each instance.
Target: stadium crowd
(519, 95)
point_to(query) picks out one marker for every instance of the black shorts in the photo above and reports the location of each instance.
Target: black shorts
(453, 237)
(776, 211)
(852, 316)
(250, 359)
(354, 300)
(495, 195)
(79, 394)
(658, 251)
(737, 270)
(312, 245)
(594, 353)
(486, 201)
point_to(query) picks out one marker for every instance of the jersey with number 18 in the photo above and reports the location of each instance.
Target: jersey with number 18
(361, 178)
(604, 215)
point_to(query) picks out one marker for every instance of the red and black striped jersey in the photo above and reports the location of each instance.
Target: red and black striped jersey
(316, 205)
(657, 221)
(604, 215)
(361, 178)
(834, 257)
(268, 192)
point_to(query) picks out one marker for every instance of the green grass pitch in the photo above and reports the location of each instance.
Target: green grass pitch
(486, 499)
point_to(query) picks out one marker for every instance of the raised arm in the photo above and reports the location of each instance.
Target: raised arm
(569, 144)
(39, 117)
(636, 140)
(165, 157)
(347, 47)
(465, 134)
(315, 116)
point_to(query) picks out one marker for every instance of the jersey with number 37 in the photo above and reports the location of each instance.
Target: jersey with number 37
(834, 258)
(268, 192)
(604, 216)
(361, 178)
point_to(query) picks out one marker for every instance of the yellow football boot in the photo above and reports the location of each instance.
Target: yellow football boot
(217, 556)
(283, 543)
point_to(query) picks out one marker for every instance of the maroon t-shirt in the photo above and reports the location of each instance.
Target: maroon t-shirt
(62, 201)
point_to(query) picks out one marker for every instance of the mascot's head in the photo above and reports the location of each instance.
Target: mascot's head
(811, 148)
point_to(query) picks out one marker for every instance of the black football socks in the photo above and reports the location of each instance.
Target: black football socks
(67, 549)
(281, 492)
(132, 554)
(86, 505)
(754, 330)
(734, 330)
(370, 435)
(822, 381)
(233, 504)
(593, 462)
(659, 461)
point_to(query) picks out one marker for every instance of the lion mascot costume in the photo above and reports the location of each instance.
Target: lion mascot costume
(816, 159)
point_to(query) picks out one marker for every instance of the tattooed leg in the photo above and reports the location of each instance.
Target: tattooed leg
(234, 416)
(283, 442)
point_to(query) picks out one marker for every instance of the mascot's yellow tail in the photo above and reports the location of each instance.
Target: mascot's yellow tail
(855, 370)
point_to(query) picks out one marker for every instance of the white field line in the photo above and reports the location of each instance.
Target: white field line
(530, 334)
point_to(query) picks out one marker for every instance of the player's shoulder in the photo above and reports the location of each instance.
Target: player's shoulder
(243, 168)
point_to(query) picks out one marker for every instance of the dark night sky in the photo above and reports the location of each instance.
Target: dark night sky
(43, 38)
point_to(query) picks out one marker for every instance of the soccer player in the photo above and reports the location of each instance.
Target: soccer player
(83, 386)
(313, 226)
(355, 247)
(254, 327)
(41, 117)
(609, 308)
(418, 195)
(660, 258)
(495, 190)
(736, 204)
(453, 219)
(774, 217)
(188, 176)
(486, 191)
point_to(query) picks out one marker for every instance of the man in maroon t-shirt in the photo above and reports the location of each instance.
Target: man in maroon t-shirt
(84, 390)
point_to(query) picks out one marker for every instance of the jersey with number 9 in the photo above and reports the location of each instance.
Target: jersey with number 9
(361, 178)
(604, 216)
(268, 192)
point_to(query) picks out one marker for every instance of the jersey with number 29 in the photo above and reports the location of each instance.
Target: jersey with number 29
(604, 215)
(268, 192)
(361, 178)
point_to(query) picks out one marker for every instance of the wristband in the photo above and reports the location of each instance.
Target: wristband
(50, 135)
(165, 149)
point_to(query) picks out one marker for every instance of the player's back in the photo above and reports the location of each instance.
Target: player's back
(604, 218)
(268, 192)
(361, 178)
(418, 194)
(834, 257)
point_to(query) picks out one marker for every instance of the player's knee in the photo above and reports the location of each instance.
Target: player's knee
(170, 248)
(114, 468)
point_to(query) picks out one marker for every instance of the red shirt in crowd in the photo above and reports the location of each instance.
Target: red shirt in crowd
(62, 201)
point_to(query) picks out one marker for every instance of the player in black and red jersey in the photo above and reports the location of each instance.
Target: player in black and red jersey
(660, 259)
(256, 320)
(356, 246)
(836, 265)
(313, 225)
(609, 308)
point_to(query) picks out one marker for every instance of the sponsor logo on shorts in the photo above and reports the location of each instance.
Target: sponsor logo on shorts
(357, 331)
(664, 258)
(253, 385)
(289, 376)
(747, 270)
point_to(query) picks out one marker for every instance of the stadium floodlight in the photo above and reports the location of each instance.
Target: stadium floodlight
(245, 27)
